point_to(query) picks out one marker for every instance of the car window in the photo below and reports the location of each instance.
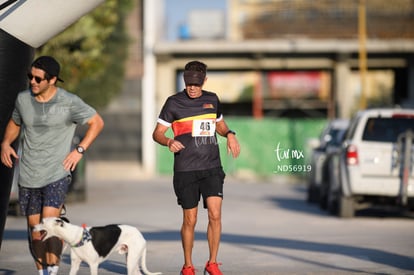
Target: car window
(386, 129)
(336, 137)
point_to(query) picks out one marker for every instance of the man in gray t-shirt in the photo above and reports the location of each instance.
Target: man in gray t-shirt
(45, 116)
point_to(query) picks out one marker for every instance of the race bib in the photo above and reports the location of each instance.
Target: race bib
(204, 128)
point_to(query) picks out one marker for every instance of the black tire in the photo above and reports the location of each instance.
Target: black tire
(332, 204)
(332, 200)
(323, 202)
(312, 194)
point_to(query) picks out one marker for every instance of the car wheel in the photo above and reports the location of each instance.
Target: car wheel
(333, 196)
(332, 204)
(323, 202)
(313, 194)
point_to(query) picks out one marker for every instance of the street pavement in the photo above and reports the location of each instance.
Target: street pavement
(268, 228)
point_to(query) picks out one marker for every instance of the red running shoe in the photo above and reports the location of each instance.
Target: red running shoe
(212, 269)
(189, 270)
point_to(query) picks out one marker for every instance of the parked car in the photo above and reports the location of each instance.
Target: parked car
(329, 141)
(367, 170)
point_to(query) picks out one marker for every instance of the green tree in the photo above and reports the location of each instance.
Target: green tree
(92, 53)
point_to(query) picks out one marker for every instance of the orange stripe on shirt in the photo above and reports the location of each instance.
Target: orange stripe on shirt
(182, 127)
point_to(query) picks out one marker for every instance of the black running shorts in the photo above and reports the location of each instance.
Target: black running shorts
(190, 186)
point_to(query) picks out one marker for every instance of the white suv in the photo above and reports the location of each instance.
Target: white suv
(368, 170)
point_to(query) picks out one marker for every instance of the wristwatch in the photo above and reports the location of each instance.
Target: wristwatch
(80, 149)
(230, 132)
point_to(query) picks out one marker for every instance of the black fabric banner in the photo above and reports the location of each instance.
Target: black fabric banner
(15, 59)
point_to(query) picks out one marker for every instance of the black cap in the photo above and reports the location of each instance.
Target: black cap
(49, 65)
(194, 77)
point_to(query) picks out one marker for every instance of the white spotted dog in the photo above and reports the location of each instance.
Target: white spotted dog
(94, 244)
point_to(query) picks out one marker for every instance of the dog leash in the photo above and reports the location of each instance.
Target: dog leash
(32, 252)
(30, 239)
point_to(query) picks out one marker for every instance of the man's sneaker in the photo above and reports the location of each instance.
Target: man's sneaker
(189, 270)
(212, 269)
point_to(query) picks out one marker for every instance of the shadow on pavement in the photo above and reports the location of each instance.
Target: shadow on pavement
(379, 256)
(301, 205)
(109, 265)
(16, 235)
(7, 272)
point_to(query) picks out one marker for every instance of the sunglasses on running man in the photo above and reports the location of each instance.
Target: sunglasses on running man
(36, 78)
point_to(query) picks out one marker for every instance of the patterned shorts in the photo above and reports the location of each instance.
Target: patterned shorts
(32, 200)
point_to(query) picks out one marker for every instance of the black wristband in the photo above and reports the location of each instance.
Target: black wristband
(230, 132)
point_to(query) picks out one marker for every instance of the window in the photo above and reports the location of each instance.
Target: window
(386, 129)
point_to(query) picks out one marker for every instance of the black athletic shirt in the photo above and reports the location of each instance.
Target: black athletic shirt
(193, 123)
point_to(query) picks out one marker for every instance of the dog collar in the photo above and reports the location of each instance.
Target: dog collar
(86, 237)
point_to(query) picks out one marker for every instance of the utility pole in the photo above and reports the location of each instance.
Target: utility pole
(362, 35)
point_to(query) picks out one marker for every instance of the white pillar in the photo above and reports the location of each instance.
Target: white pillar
(342, 79)
(148, 85)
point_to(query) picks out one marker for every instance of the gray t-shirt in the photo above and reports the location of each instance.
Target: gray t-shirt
(48, 129)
